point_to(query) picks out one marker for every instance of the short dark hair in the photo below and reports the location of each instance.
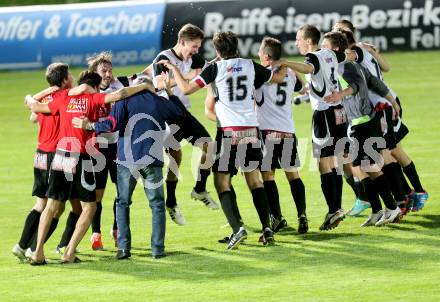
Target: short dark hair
(56, 73)
(337, 39)
(226, 43)
(90, 78)
(348, 35)
(190, 32)
(272, 47)
(347, 24)
(311, 32)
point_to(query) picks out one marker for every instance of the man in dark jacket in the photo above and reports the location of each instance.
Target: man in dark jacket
(140, 121)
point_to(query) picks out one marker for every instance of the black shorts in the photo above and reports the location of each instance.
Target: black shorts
(387, 127)
(42, 162)
(188, 128)
(237, 149)
(399, 128)
(110, 166)
(72, 177)
(279, 151)
(328, 127)
(367, 136)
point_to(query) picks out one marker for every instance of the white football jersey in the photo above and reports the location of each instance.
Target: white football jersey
(366, 59)
(323, 81)
(112, 137)
(233, 85)
(184, 67)
(274, 105)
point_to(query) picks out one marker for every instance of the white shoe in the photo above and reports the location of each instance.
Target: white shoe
(332, 220)
(19, 252)
(29, 254)
(389, 216)
(373, 219)
(176, 215)
(206, 198)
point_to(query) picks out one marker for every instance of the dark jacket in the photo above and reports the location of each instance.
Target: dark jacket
(140, 120)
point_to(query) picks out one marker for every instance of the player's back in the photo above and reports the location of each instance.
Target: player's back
(274, 105)
(233, 87)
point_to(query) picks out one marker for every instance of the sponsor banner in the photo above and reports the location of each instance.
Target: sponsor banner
(390, 25)
(35, 36)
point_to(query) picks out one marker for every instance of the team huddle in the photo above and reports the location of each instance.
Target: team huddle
(121, 126)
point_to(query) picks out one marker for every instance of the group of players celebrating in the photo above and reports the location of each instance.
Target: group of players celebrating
(356, 132)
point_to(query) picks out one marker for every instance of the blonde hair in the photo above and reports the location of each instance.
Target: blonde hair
(101, 58)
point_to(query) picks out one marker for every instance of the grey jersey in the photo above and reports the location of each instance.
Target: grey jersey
(357, 106)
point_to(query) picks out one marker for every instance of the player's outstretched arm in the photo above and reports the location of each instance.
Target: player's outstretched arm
(383, 64)
(127, 92)
(81, 89)
(42, 94)
(298, 66)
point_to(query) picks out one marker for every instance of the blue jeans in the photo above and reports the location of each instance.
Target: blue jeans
(153, 185)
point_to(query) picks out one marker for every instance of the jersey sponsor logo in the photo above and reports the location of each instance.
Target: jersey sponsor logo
(318, 93)
(328, 60)
(77, 105)
(233, 69)
(46, 99)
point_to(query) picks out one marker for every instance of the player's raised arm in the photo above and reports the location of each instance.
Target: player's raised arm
(127, 92)
(42, 94)
(185, 86)
(298, 66)
(81, 89)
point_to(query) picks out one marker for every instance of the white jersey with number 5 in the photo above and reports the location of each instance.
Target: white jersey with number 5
(323, 80)
(274, 105)
(233, 85)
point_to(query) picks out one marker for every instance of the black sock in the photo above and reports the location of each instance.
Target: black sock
(350, 180)
(299, 195)
(373, 196)
(69, 229)
(30, 227)
(406, 189)
(201, 184)
(273, 198)
(392, 173)
(363, 195)
(237, 211)
(261, 204)
(171, 194)
(382, 187)
(96, 222)
(52, 228)
(338, 191)
(411, 173)
(328, 187)
(229, 205)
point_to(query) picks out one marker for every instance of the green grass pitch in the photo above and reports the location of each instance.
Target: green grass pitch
(394, 263)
